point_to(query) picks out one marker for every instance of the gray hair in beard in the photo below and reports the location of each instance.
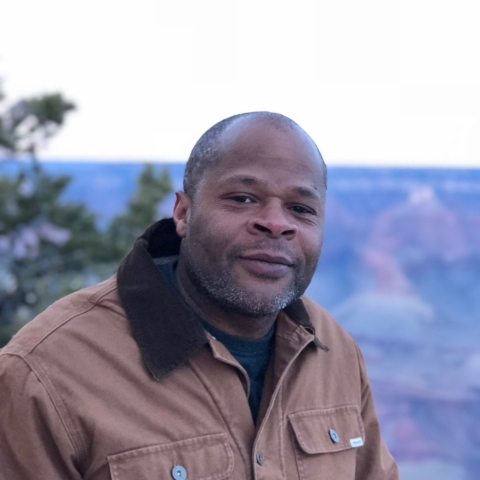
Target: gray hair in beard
(224, 289)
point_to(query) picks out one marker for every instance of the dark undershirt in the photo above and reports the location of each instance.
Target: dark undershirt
(252, 355)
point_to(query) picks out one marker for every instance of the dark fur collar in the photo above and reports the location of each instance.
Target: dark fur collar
(166, 331)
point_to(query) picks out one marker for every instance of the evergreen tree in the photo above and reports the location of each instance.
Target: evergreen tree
(42, 240)
(29, 123)
(49, 248)
(44, 244)
(142, 210)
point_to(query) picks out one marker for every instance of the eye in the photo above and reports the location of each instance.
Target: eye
(302, 210)
(241, 199)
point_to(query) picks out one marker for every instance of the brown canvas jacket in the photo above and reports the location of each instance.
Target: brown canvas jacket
(120, 381)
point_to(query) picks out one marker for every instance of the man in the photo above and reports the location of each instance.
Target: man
(200, 360)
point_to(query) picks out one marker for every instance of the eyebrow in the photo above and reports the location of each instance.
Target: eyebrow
(245, 179)
(249, 180)
(306, 192)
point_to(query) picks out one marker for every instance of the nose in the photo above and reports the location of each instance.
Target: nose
(272, 222)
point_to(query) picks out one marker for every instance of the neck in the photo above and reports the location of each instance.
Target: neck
(229, 322)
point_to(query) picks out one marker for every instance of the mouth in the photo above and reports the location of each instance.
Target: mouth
(268, 258)
(266, 265)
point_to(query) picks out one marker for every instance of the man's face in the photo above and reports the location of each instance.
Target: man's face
(252, 235)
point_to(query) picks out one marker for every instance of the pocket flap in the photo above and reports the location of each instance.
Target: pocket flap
(208, 457)
(328, 430)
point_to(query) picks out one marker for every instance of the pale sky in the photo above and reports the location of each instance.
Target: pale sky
(373, 82)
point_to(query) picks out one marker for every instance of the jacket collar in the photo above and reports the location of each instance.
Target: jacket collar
(166, 331)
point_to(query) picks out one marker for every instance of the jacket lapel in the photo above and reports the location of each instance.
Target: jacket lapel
(166, 331)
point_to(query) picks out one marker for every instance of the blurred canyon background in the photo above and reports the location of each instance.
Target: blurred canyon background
(400, 270)
(101, 102)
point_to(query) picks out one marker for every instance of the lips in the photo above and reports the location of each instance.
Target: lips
(269, 258)
(266, 265)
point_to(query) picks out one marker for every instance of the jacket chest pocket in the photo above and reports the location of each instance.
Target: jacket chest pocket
(208, 457)
(326, 442)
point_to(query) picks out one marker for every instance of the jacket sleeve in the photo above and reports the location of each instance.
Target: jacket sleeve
(374, 461)
(34, 442)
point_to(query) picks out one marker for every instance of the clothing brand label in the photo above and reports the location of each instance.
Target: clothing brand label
(356, 442)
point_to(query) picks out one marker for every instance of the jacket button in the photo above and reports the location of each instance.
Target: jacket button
(259, 457)
(179, 473)
(334, 435)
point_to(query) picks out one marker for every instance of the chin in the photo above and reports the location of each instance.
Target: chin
(254, 303)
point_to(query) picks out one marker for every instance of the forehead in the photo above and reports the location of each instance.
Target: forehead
(257, 145)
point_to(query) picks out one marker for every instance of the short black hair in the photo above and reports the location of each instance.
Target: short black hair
(206, 151)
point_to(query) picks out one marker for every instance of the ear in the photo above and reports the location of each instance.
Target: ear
(181, 213)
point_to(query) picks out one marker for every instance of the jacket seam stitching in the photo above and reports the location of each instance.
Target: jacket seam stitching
(101, 293)
(283, 425)
(91, 306)
(50, 396)
(364, 384)
(238, 445)
(116, 459)
(294, 446)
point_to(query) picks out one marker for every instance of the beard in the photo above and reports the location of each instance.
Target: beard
(220, 284)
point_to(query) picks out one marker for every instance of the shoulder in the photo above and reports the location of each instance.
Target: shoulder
(328, 330)
(61, 353)
(325, 325)
(69, 316)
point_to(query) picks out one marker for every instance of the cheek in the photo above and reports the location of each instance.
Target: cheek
(312, 246)
(206, 236)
